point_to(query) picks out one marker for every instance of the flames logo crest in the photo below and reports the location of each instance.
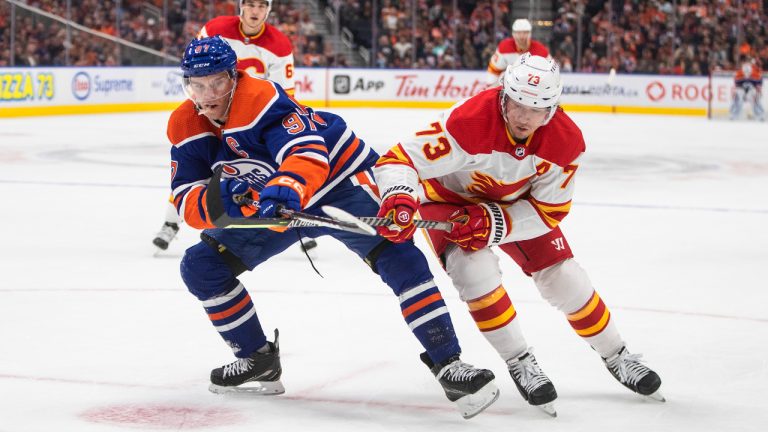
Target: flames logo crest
(487, 186)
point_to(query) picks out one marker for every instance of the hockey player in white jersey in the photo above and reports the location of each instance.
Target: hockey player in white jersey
(510, 49)
(501, 166)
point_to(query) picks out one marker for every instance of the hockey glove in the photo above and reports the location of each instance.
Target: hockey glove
(283, 191)
(400, 208)
(232, 192)
(478, 226)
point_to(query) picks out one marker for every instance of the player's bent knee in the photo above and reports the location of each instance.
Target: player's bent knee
(400, 265)
(205, 273)
(564, 285)
(474, 274)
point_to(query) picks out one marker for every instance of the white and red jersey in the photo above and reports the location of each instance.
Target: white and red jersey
(468, 156)
(507, 53)
(268, 54)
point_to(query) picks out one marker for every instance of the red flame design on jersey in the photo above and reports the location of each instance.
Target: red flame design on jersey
(487, 186)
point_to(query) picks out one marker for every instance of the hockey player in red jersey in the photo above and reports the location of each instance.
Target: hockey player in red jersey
(501, 166)
(262, 51)
(285, 155)
(510, 49)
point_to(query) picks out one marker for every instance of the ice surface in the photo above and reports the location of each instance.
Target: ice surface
(96, 334)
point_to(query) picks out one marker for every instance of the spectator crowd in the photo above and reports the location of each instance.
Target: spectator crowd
(631, 36)
(684, 37)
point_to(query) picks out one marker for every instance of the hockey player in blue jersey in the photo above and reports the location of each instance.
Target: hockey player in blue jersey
(286, 155)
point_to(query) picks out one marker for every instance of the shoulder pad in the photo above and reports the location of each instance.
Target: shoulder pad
(185, 123)
(226, 26)
(560, 141)
(507, 46)
(279, 43)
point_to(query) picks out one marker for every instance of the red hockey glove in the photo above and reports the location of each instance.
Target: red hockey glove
(400, 208)
(478, 226)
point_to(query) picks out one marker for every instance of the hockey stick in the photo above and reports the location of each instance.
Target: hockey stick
(381, 221)
(290, 219)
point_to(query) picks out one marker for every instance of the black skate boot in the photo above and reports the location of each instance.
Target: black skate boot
(471, 388)
(532, 383)
(259, 373)
(629, 370)
(165, 235)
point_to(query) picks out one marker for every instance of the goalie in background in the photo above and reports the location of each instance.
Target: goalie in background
(286, 155)
(749, 90)
(501, 166)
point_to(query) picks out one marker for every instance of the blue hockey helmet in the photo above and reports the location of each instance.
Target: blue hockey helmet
(208, 56)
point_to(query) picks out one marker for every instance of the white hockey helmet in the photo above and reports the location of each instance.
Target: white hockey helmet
(532, 81)
(521, 25)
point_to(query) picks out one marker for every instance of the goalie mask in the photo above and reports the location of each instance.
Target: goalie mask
(209, 67)
(532, 82)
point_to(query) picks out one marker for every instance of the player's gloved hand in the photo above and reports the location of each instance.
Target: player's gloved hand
(282, 191)
(232, 193)
(480, 225)
(399, 207)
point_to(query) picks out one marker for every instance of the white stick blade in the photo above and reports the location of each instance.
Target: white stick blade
(341, 215)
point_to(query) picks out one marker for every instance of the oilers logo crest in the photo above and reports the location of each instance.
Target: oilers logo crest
(255, 172)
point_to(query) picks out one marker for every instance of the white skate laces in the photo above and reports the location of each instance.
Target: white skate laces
(527, 372)
(167, 233)
(627, 367)
(238, 367)
(458, 371)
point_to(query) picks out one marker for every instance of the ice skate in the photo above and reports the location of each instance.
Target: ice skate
(165, 235)
(532, 383)
(629, 370)
(471, 388)
(258, 374)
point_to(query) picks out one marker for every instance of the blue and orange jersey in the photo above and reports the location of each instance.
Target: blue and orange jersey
(749, 72)
(267, 134)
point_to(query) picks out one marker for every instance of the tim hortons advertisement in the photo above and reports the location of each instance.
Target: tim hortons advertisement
(35, 91)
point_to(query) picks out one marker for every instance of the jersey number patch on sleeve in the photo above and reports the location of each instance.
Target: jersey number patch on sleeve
(570, 170)
(434, 151)
(297, 122)
(174, 168)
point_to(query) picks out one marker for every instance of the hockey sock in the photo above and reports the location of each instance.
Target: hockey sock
(593, 323)
(171, 215)
(234, 317)
(427, 316)
(495, 316)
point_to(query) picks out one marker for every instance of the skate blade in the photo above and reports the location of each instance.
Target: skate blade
(656, 396)
(548, 408)
(473, 404)
(259, 388)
